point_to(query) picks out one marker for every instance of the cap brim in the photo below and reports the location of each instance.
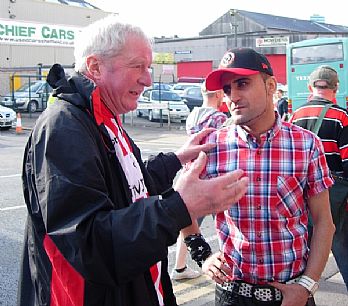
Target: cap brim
(213, 79)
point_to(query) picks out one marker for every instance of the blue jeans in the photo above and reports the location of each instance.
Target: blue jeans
(340, 248)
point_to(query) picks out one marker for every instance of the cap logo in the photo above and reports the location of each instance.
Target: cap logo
(264, 66)
(227, 59)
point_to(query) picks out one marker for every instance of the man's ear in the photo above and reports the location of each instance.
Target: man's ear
(271, 85)
(310, 88)
(93, 66)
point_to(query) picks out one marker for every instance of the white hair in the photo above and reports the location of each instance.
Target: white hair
(105, 37)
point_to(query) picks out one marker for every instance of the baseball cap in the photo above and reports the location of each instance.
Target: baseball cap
(243, 61)
(324, 73)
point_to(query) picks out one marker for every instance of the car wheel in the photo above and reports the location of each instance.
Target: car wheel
(151, 118)
(32, 107)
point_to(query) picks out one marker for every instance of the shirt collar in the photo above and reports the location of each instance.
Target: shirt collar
(267, 136)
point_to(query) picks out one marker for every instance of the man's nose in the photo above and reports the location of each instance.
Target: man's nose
(234, 96)
(146, 79)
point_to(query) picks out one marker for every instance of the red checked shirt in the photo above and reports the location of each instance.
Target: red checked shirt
(264, 235)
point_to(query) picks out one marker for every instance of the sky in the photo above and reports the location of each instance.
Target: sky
(186, 18)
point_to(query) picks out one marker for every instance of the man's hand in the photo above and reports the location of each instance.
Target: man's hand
(293, 294)
(204, 197)
(216, 268)
(190, 150)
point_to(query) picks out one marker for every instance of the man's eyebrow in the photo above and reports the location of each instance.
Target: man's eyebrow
(241, 79)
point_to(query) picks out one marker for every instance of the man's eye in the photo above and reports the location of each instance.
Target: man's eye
(242, 84)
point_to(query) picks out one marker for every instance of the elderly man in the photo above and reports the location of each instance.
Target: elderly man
(99, 220)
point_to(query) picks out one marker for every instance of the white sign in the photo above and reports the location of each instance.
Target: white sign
(29, 33)
(272, 41)
(168, 69)
(163, 105)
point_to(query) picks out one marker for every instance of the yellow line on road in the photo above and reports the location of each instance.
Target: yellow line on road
(189, 290)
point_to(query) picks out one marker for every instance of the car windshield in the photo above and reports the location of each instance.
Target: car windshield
(33, 87)
(165, 96)
(163, 86)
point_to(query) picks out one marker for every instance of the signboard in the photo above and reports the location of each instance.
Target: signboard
(29, 33)
(163, 105)
(183, 52)
(163, 58)
(168, 69)
(272, 41)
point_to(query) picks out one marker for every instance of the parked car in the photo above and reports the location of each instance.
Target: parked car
(151, 101)
(180, 87)
(30, 97)
(192, 96)
(163, 86)
(7, 117)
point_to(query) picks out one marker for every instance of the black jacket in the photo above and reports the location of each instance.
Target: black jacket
(85, 242)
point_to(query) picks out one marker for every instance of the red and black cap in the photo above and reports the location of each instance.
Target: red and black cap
(242, 61)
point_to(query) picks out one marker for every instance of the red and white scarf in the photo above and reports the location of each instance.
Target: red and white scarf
(130, 167)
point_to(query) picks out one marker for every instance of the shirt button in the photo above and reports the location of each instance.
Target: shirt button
(260, 261)
(258, 152)
(259, 234)
(259, 207)
(258, 179)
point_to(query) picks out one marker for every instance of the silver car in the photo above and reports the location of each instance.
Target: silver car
(30, 97)
(152, 103)
(7, 117)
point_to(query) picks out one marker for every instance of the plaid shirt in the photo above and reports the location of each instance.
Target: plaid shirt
(264, 235)
(204, 117)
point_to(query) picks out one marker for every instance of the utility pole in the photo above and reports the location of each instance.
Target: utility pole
(234, 25)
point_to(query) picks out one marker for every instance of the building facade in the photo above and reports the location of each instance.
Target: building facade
(35, 34)
(265, 33)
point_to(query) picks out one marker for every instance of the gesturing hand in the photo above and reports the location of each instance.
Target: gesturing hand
(216, 268)
(203, 197)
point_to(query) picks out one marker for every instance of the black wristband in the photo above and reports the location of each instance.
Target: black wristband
(199, 249)
(167, 193)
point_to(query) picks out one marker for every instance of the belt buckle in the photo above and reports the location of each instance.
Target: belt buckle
(263, 294)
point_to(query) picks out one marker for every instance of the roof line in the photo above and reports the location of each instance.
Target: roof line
(324, 27)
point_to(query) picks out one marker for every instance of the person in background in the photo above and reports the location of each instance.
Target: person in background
(282, 105)
(208, 115)
(99, 219)
(333, 132)
(264, 256)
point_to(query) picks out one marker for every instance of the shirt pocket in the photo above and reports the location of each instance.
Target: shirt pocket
(289, 197)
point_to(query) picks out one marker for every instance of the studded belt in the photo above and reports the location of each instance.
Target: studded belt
(260, 293)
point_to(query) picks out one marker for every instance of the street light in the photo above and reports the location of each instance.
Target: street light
(233, 14)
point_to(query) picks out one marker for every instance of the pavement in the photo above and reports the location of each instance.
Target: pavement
(141, 129)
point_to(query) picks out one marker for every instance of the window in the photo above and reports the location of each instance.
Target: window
(317, 54)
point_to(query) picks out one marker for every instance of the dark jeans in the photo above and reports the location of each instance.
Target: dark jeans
(228, 298)
(340, 248)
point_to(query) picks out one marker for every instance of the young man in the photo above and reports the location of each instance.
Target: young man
(99, 220)
(323, 86)
(265, 258)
